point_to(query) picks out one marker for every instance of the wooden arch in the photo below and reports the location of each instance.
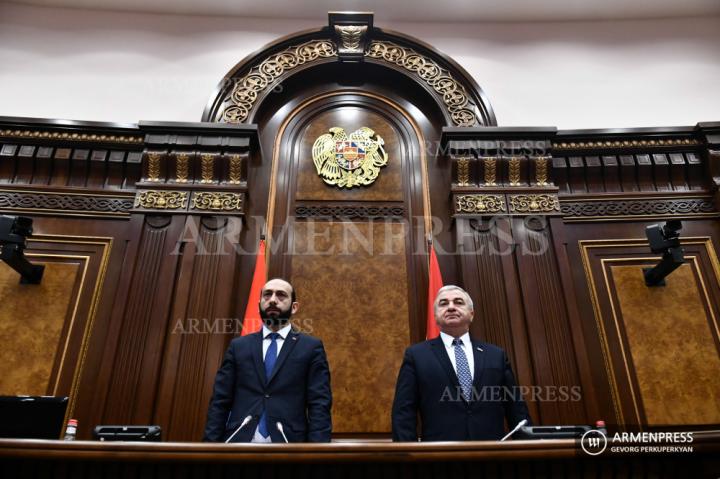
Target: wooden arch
(350, 39)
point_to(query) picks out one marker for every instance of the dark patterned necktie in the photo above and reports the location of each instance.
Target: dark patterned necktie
(463, 369)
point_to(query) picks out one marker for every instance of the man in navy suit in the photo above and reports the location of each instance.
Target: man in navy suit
(463, 389)
(273, 385)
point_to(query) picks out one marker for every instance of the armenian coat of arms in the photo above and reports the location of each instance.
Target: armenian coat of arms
(349, 161)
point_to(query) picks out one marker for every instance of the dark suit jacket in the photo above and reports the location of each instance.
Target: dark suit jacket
(297, 393)
(428, 384)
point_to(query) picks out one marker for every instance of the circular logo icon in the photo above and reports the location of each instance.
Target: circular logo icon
(593, 442)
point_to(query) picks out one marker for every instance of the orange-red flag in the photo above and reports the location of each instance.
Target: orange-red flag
(252, 322)
(434, 286)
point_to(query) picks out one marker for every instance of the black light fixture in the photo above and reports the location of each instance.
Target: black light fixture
(666, 240)
(14, 231)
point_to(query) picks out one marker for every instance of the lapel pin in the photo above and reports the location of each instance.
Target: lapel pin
(294, 338)
(479, 348)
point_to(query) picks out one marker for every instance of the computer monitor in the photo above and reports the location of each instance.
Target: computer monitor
(32, 417)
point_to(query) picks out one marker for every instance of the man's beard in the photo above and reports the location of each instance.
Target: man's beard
(278, 319)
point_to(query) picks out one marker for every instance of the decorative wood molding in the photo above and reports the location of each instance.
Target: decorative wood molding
(533, 204)
(352, 212)
(351, 31)
(263, 76)
(193, 202)
(65, 204)
(514, 171)
(235, 174)
(182, 167)
(630, 143)
(207, 166)
(454, 96)
(217, 202)
(479, 204)
(634, 209)
(53, 154)
(541, 170)
(350, 37)
(490, 170)
(161, 200)
(153, 166)
(66, 136)
(463, 172)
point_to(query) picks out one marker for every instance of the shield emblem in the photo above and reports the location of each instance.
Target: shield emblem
(349, 154)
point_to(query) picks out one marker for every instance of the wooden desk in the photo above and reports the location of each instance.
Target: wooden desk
(346, 460)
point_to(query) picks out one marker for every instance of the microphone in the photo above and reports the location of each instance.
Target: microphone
(280, 428)
(244, 423)
(519, 425)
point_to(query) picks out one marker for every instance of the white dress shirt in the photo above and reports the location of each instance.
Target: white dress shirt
(466, 346)
(283, 332)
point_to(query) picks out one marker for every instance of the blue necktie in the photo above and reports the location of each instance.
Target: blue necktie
(463, 369)
(270, 359)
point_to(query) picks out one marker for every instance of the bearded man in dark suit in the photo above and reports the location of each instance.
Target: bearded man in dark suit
(273, 385)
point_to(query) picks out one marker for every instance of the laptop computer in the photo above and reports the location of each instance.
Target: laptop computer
(32, 417)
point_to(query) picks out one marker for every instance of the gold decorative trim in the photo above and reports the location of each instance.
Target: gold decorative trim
(217, 201)
(514, 169)
(235, 169)
(262, 77)
(541, 170)
(463, 172)
(207, 168)
(490, 170)
(483, 204)
(534, 203)
(153, 167)
(161, 200)
(624, 144)
(453, 94)
(54, 135)
(350, 36)
(182, 168)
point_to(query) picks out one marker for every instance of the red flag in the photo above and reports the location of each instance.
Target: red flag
(252, 322)
(434, 285)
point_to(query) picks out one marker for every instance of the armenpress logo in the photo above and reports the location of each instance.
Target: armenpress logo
(593, 442)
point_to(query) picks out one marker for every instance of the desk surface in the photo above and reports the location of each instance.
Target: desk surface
(346, 451)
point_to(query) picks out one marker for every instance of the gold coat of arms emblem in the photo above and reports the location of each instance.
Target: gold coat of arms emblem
(349, 161)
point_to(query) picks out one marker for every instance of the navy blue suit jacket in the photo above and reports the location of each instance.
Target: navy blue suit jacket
(297, 393)
(427, 384)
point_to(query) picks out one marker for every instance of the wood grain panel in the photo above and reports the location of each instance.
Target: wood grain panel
(200, 323)
(674, 356)
(485, 282)
(32, 322)
(551, 342)
(600, 256)
(144, 320)
(489, 276)
(357, 304)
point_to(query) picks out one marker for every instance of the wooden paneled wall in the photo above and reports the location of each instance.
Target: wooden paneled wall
(142, 248)
(149, 234)
(141, 296)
